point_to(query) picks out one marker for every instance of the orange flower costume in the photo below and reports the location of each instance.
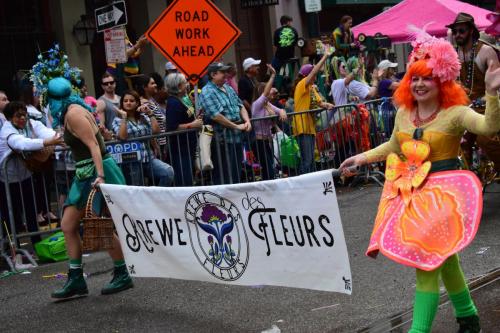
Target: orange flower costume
(423, 219)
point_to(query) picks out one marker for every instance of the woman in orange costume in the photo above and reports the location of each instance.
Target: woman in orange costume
(429, 210)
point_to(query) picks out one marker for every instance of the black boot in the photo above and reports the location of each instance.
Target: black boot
(75, 285)
(121, 281)
(469, 324)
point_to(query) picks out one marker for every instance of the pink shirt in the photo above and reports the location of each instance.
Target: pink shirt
(263, 127)
(232, 83)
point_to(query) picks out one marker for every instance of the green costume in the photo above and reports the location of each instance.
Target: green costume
(85, 171)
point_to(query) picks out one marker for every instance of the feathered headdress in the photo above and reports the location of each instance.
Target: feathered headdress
(442, 57)
(51, 64)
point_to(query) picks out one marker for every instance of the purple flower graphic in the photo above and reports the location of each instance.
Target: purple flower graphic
(211, 214)
(218, 225)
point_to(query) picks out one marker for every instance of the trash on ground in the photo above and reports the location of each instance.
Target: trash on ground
(273, 329)
(482, 250)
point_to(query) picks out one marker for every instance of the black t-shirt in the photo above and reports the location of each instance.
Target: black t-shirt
(285, 39)
(246, 88)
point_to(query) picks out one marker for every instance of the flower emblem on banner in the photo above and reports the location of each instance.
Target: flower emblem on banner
(217, 234)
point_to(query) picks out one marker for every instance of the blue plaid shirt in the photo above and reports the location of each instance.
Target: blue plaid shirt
(136, 129)
(213, 100)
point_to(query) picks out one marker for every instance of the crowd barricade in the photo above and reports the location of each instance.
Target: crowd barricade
(198, 158)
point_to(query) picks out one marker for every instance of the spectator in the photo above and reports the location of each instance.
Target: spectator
(387, 80)
(3, 102)
(180, 116)
(170, 69)
(222, 105)
(274, 98)
(32, 102)
(84, 94)
(248, 82)
(161, 92)
(307, 98)
(138, 120)
(107, 104)
(346, 86)
(284, 41)
(123, 72)
(25, 135)
(42, 180)
(231, 77)
(262, 107)
(147, 88)
(343, 37)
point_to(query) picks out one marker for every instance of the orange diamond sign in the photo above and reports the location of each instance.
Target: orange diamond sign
(192, 34)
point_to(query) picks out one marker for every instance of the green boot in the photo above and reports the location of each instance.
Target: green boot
(121, 281)
(469, 324)
(75, 286)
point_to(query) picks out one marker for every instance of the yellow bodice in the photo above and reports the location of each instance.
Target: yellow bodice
(444, 146)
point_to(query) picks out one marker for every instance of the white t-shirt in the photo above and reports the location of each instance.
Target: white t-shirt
(340, 92)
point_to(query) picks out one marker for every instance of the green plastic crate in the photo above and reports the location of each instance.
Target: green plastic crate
(52, 248)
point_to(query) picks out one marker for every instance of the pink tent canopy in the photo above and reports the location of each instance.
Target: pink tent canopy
(394, 22)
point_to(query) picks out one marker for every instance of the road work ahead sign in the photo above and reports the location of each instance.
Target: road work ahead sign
(192, 34)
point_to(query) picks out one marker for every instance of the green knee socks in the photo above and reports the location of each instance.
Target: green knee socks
(75, 263)
(424, 311)
(463, 304)
(119, 263)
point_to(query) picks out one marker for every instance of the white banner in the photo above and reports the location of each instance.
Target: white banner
(283, 232)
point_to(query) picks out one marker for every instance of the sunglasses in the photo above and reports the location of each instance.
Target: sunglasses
(459, 31)
(108, 83)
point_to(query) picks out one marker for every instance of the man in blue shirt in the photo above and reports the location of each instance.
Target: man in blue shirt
(222, 105)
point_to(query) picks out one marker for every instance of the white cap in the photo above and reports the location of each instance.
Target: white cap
(384, 64)
(170, 66)
(249, 62)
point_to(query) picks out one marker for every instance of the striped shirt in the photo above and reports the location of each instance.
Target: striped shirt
(160, 115)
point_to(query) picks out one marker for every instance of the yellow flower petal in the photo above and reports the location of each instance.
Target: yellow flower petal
(421, 174)
(394, 167)
(415, 151)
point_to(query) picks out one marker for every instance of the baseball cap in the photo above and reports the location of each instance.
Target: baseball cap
(306, 69)
(384, 64)
(249, 62)
(170, 66)
(217, 66)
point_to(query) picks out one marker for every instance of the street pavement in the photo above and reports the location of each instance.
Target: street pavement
(381, 289)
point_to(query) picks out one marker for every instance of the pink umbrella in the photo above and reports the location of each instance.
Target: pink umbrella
(394, 21)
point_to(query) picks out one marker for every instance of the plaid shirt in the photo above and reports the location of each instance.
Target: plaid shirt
(214, 100)
(136, 129)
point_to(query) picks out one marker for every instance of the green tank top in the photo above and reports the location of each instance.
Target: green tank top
(79, 149)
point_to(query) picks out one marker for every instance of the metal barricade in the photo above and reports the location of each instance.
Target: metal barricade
(273, 149)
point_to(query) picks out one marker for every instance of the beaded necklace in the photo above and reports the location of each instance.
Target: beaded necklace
(419, 121)
(469, 80)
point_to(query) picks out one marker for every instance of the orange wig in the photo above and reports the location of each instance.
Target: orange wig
(450, 92)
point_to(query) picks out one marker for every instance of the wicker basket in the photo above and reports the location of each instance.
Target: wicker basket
(97, 231)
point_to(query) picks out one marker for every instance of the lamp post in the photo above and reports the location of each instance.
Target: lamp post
(84, 30)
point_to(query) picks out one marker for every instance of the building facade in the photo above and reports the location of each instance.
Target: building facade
(30, 26)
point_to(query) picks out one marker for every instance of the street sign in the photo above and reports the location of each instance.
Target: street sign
(258, 3)
(126, 152)
(312, 6)
(111, 16)
(192, 34)
(115, 45)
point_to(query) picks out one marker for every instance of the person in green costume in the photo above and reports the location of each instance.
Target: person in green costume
(93, 168)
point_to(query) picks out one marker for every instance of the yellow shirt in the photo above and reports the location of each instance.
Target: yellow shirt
(444, 133)
(304, 123)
